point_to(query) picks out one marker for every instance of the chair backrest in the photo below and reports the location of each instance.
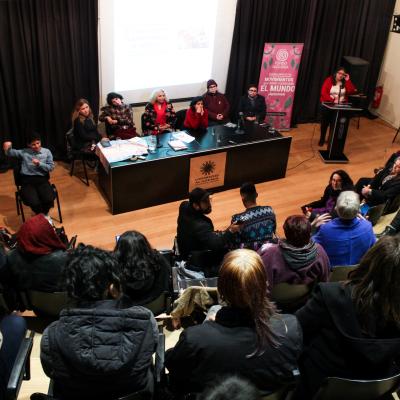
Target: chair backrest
(290, 297)
(348, 389)
(392, 205)
(340, 273)
(374, 213)
(180, 119)
(49, 304)
(162, 304)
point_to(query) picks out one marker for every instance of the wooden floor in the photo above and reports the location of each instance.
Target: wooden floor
(86, 213)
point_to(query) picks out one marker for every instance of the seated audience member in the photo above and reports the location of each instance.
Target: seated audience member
(196, 116)
(257, 223)
(99, 349)
(159, 114)
(195, 231)
(216, 104)
(12, 332)
(346, 238)
(117, 117)
(352, 329)
(231, 388)
(253, 105)
(339, 181)
(86, 134)
(384, 186)
(298, 259)
(248, 337)
(145, 272)
(39, 259)
(36, 164)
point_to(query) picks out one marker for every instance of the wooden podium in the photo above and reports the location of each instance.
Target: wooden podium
(338, 132)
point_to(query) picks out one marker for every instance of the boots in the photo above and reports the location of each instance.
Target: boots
(388, 231)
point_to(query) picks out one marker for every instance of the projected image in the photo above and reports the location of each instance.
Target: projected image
(159, 43)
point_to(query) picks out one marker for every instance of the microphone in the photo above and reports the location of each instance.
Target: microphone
(240, 124)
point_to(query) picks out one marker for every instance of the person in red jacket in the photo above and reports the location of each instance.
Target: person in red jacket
(335, 89)
(196, 115)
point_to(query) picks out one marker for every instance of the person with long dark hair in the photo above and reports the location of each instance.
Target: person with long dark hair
(196, 115)
(248, 337)
(352, 329)
(335, 89)
(145, 272)
(339, 181)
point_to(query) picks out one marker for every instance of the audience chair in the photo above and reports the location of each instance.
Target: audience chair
(340, 272)
(349, 389)
(374, 213)
(18, 197)
(392, 205)
(21, 368)
(3, 303)
(76, 155)
(279, 394)
(290, 297)
(48, 304)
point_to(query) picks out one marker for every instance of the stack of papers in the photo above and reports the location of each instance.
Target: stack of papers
(183, 137)
(177, 144)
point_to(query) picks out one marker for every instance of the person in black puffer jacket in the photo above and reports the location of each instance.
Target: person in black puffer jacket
(101, 349)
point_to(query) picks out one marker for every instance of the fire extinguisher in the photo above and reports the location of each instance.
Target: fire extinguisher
(377, 97)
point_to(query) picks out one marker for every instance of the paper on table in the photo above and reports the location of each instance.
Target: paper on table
(177, 145)
(123, 149)
(183, 136)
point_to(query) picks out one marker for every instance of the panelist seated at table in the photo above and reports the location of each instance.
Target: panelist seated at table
(253, 105)
(159, 114)
(117, 117)
(85, 130)
(216, 104)
(196, 115)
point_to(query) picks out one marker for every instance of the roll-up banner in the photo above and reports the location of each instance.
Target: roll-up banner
(278, 76)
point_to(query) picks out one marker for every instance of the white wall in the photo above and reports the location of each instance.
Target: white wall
(389, 77)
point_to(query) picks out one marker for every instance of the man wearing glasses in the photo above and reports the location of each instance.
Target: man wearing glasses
(253, 105)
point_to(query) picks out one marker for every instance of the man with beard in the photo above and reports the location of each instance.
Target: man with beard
(196, 236)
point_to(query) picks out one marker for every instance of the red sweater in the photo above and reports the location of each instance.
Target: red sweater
(194, 120)
(326, 89)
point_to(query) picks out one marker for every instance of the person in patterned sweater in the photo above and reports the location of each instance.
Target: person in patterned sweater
(159, 114)
(117, 117)
(258, 223)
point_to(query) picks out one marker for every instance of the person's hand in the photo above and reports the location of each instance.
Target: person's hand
(321, 220)
(164, 127)
(111, 121)
(234, 228)
(366, 190)
(7, 146)
(35, 161)
(199, 109)
(220, 116)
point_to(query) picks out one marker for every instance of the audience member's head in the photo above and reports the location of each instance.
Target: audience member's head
(248, 194)
(36, 236)
(231, 388)
(114, 99)
(199, 199)
(348, 205)
(242, 284)
(396, 167)
(82, 110)
(158, 96)
(92, 274)
(376, 284)
(340, 180)
(297, 230)
(138, 261)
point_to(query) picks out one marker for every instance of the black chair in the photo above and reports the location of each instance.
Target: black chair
(392, 205)
(18, 198)
(351, 389)
(77, 155)
(180, 119)
(340, 273)
(374, 213)
(21, 369)
(290, 297)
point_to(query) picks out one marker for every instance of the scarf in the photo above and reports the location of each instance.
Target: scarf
(298, 257)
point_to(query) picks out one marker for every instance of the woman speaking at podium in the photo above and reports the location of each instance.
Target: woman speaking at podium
(335, 89)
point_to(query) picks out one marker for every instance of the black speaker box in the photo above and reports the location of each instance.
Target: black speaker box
(357, 68)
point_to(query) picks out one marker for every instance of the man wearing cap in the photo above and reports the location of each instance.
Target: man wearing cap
(196, 232)
(216, 103)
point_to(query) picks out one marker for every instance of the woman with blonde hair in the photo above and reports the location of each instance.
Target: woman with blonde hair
(159, 114)
(248, 337)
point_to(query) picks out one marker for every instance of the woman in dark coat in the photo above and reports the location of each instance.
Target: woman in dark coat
(352, 329)
(248, 337)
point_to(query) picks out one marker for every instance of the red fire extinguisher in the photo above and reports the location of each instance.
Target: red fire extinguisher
(377, 97)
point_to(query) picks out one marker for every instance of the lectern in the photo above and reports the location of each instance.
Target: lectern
(338, 132)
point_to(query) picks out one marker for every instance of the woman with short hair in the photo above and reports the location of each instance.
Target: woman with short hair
(352, 328)
(248, 337)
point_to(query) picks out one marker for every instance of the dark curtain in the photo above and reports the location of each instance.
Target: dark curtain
(329, 30)
(48, 59)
